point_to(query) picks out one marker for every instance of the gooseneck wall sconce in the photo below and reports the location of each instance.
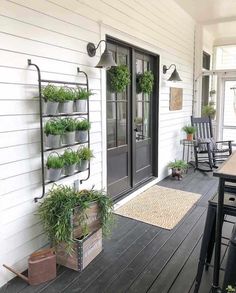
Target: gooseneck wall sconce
(174, 75)
(106, 60)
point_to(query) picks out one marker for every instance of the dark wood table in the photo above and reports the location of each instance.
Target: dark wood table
(226, 173)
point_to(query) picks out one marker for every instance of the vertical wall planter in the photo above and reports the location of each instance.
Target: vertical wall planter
(51, 109)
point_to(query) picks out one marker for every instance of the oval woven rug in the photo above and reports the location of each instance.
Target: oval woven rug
(159, 206)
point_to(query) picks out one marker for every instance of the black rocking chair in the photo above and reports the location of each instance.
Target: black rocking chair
(206, 149)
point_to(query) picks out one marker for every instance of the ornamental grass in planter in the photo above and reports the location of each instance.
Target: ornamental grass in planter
(178, 167)
(53, 130)
(70, 160)
(66, 96)
(54, 166)
(82, 127)
(50, 97)
(85, 155)
(64, 206)
(145, 82)
(81, 96)
(189, 130)
(69, 126)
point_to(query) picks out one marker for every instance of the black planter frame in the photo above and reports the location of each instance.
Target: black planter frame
(42, 116)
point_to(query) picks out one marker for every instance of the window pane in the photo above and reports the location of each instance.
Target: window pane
(146, 120)
(111, 125)
(121, 59)
(121, 123)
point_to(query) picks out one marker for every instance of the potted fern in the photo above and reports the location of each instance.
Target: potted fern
(50, 97)
(178, 167)
(145, 82)
(82, 127)
(118, 78)
(53, 130)
(54, 165)
(81, 98)
(85, 155)
(69, 126)
(70, 160)
(66, 97)
(189, 130)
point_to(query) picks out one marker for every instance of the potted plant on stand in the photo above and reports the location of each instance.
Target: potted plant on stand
(66, 97)
(85, 155)
(54, 165)
(50, 97)
(82, 127)
(70, 159)
(53, 130)
(178, 167)
(189, 130)
(69, 124)
(71, 218)
(81, 96)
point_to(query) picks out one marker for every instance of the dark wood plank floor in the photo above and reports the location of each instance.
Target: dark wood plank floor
(142, 258)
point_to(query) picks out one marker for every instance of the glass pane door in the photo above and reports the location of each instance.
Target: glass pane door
(229, 111)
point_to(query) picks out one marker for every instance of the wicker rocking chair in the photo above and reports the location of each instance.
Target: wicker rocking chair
(207, 151)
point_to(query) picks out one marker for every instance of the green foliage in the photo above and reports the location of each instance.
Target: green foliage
(209, 110)
(83, 125)
(178, 164)
(54, 162)
(56, 211)
(70, 157)
(189, 129)
(145, 82)
(82, 94)
(230, 289)
(118, 78)
(66, 94)
(138, 120)
(69, 124)
(85, 154)
(54, 127)
(50, 93)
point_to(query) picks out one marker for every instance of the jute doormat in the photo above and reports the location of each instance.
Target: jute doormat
(159, 206)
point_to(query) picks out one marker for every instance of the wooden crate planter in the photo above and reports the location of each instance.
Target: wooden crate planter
(93, 220)
(84, 251)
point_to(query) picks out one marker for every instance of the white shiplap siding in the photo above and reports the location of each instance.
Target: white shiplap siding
(54, 34)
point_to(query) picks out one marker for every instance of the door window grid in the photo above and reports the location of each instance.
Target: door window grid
(117, 124)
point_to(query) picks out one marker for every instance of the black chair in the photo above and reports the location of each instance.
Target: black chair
(208, 240)
(206, 149)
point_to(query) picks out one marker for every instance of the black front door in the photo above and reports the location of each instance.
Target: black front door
(131, 125)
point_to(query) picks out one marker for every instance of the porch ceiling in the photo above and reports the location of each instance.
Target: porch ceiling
(217, 16)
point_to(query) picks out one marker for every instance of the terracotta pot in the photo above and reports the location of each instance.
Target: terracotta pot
(189, 136)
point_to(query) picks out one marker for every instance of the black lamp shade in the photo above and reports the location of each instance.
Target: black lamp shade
(106, 60)
(174, 76)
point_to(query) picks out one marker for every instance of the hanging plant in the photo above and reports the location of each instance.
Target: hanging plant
(118, 78)
(145, 82)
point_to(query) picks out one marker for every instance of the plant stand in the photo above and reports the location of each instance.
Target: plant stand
(45, 116)
(187, 154)
(84, 251)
